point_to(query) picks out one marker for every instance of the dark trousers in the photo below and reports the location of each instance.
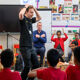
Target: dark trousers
(30, 59)
(41, 52)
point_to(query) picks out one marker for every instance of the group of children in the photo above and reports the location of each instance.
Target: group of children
(43, 73)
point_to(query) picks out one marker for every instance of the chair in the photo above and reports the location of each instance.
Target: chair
(18, 58)
(1, 48)
(16, 48)
(43, 59)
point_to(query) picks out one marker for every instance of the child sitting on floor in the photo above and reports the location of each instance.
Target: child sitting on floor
(73, 72)
(50, 73)
(7, 59)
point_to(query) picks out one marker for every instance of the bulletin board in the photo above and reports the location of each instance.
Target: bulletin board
(66, 13)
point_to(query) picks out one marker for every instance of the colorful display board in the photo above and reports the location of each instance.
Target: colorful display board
(67, 13)
(64, 12)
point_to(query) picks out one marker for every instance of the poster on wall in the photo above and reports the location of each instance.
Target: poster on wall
(43, 4)
(74, 17)
(60, 8)
(51, 3)
(54, 9)
(68, 10)
(68, 6)
(56, 17)
(66, 17)
(75, 2)
(67, 3)
(31, 2)
(75, 9)
(57, 2)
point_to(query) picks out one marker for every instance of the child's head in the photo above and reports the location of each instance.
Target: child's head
(53, 57)
(7, 58)
(77, 35)
(77, 55)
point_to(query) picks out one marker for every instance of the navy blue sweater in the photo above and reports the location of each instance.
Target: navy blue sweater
(39, 42)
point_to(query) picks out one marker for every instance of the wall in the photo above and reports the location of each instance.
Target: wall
(7, 41)
(9, 2)
(11, 40)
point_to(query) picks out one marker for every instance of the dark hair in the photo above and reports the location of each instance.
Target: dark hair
(59, 32)
(53, 57)
(76, 33)
(39, 22)
(30, 7)
(76, 52)
(75, 42)
(7, 58)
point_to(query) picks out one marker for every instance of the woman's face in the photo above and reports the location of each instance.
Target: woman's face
(58, 34)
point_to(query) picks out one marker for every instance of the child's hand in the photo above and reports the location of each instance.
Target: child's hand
(71, 63)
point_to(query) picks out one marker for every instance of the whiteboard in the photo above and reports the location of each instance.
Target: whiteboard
(46, 23)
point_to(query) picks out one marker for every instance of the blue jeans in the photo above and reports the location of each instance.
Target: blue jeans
(30, 59)
(69, 55)
(41, 52)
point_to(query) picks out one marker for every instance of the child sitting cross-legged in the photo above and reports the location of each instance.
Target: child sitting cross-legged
(50, 73)
(7, 59)
(73, 71)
